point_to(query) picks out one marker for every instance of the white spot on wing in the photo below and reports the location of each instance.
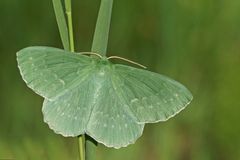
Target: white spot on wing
(62, 81)
(134, 100)
(144, 98)
(101, 73)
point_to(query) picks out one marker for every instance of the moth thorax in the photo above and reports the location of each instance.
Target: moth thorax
(104, 61)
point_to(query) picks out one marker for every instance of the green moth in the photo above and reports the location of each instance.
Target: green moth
(91, 95)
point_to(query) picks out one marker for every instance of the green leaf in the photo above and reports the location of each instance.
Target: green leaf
(109, 102)
(62, 25)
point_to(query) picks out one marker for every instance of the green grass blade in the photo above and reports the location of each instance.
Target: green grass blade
(91, 148)
(62, 25)
(100, 39)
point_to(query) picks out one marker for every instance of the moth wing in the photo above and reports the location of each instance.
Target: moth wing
(69, 113)
(51, 72)
(151, 97)
(111, 121)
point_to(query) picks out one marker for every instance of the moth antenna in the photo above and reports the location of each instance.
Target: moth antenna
(127, 60)
(91, 53)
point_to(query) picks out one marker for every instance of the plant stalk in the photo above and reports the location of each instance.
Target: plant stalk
(68, 6)
(81, 146)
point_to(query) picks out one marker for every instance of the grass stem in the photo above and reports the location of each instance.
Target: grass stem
(68, 6)
(81, 144)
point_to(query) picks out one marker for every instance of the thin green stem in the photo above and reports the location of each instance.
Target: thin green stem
(81, 144)
(68, 6)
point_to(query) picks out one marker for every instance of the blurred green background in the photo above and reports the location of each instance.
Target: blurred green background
(196, 42)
